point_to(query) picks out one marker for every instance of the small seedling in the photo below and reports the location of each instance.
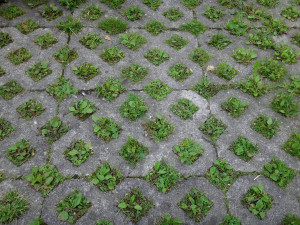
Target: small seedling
(11, 12)
(219, 41)
(213, 127)
(135, 205)
(39, 70)
(132, 41)
(92, 12)
(163, 176)
(156, 56)
(191, 4)
(255, 86)
(12, 206)
(51, 12)
(157, 89)
(78, 152)
(179, 72)
(73, 207)
(177, 42)
(2, 72)
(134, 108)
(54, 129)
(5, 129)
(237, 26)
(30, 109)
(19, 56)
(61, 89)
(86, 71)
(159, 129)
(167, 219)
(173, 14)
(113, 26)
(153, 4)
(155, 27)
(133, 151)
(46, 40)
(213, 13)
(71, 4)
(106, 128)
(234, 107)
(5, 39)
(225, 71)
(91, 40)
(70, 25)
(113, 4)
(44, 179)
(200, 56)
(103, 222)
(290, 219)
(20, 152)
(110, 90)
(295, 39)
(133, 13)
(83, 109)
(194, 27)
(275, 26)
(292, 145)
(135, 72)
(37, 221)
(283, 103)
(206, 88)
(231, 220)
(10, 90)
(195, 204)
(286, 54)
(261, 39)
(188, 151)
(28, 26)
(112, 55)
(184, 108)
(243, 148)
(268, 3)
(245, 56)
(266, 126)
(65, 55)
(272, 70)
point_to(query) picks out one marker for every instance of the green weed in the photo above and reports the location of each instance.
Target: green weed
(153, 4)
(92, 12)
(54, 129)
(19, 56)
(91, 40)
(65, 55)
(295, 39)
(237, 26)
(11, 12)
(86, 71)
(133, 108)
(45, 40)
(254, 86)
(157, 89)
(135, 72)
(261, 39)
(206, 88)
(200, 56)
(30, 109)
(166, 219)
(113, 4)
(243, 148)
(290, 12)
(275, 26)
(132, 41)
(71, 4)
(228, 3)
(191, 4)
(213, 13)
(234, 107)
(39, 70)
(70, 25)
(156, 56)
(103, 222)
(184, 108)
(286, 54)
(188, 151)
(5, 39)
(266, 126)
(112, 55)
(61, 89)
(110, 90)
(78, 152)
(290, 219)
(294, 85)
(219, 41)
(155, 27)
(51, 12)
(5, 129)
(226, 71)
(283, 103)
(272, 70)
(179, 72)
(10, 90)
(231, 220)
(37, 221)
(35, 3)
(133, 13)
(113, 26)
(177, 42)
(2, 72)
(82, 109)
(213, 127)
(20, 152)
(268, 3)
(28, 26)
(173, 14)
(194, 27)
(292, 145)
(245, 56)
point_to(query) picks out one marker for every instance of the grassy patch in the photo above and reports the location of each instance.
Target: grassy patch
(245, 56)
(78, 152)
(112, 55)
(294, 85)
(91, 40)
(86, 71)
(159, 129)
(188, 151)
(5, 39)
(286, 53)
(19, 56)
(39, 70)
(266, 126)
(213, 127)
(135, 72)
(295, 39)
(133, 13)
(219, 41)
(113, 26)
(92, 12)
(206, 88)
(234, 107)
(173, 14)
(191, 4)
(61, 89)
(156, 56)
(20, 152)
(2, 176)
(275, 26)
(65, 55)
(262, 39)
(268, 3)
(134, 108)
(2, 72)
(155, 27)
(184, 108)
(231, 220)
(70, 25)
(243, 148)
(283, 103)
(157, 89)
(132, 41)
(292, 145)
(177, 42)
(10, 90)
(254, 86)
(82, 109)
(228, 3)
(200, 56)
(103, 222)
(166, 219)
(272, 70)
(30, 109)
(45, 40)
(51, 12)
(5, 129)
(226, 71)
(194, 27)
(213, 13)
(179, 72)
(237, 26)
(153, 4)
(37, 221)
(54, 129)
(113, 4)
(11, 12)
(71, 4)
(290, 219)
(110, 90)
(28, 26)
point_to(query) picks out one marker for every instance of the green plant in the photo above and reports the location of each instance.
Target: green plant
(12, 206)
(184, 108)
(45, 178)
(195, 204)
(194, 27)
(51, 12)
(286, 54)
(61, 89)
(191, 4)
(135, 72)
(65, 55)
(133, 13)
(155, 27)
(113, 26)
(278, 172)
(30, 109)
(110, 90)
(54, 129)
(200, 56)
(237, 26)
(19, 56)
(157, 89)
(70, 25)
(266, 126)
(113, 4)
(292, 145)
(245, 56)
(290, 219)
(249, 10)
(243, 148)
(28, 26)
(188, 151)
(213, 127)
(72, 207)
(163, 176)
(71, 4)
(132, 41)
(112, 55)
(20, 152)
(39, 70)
(86, 71)
(91, 40)
(11, 12)
(275, 26)
(231, 220)
(206, 88)
(271, 69)
(177, 42)
(159, 129)
(173, 14)
(295, 39)
(229, 3)
(37, 221)
(255, 86)
(133, 151)
(294, 85)
(2, 176)
(156, 56)
(92, 12)
(167, 219)
(234, 107)
(226, 71)
(261, 39)
(106, 128)
(5, 129)
(268, 3)
(290, 12)
(296, 2)
(83, 109)
(283, 103)
(152, 4)
(5, 39)
(2, 72)
(134, 108)
(219, 41)
(10, 90)
(179, 72)
(213, 13)
(78, 152)
(103, 222)
(46, 40)
(135, 205)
